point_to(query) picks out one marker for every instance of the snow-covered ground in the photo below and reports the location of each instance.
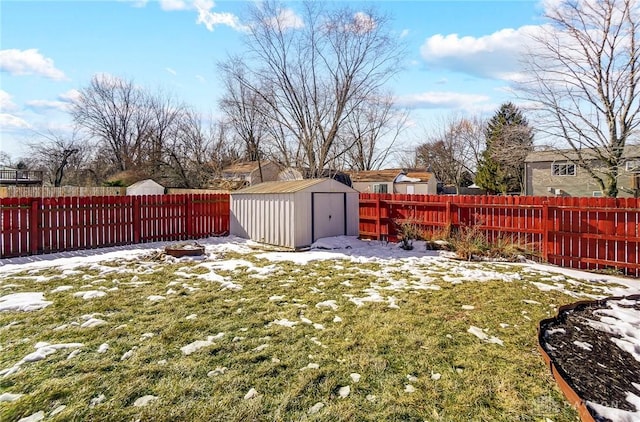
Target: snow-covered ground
(424, 266)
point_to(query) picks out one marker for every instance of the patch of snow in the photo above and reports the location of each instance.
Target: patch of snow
(478, 332)
(192, 316)
(355, 377)
(128, 354)
(220, 370)
(89, 294)
(155, 298)
(468, 307)
(38, 416)
(344, 391)
(284, 322)
(584, 345)
(412, 378)
(97, 400)
(43, 350)
(252, 393)
(199, 344)
(24, 302)
(435, 376)
(337, 319)
(315, 408)
(260, 348)
(93, 322)
(9, 397)
(57, 410)
(408, 388)
(144, 400)
(61, 289)
(103, 348)
(531, 302)
(310, 366)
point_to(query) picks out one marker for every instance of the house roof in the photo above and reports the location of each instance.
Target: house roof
(630, 151)
(244, 166)
(287, 186)
(390, 175)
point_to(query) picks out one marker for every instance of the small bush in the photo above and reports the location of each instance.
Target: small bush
(408, 231)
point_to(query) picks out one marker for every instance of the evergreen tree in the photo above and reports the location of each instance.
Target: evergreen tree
(509, 139)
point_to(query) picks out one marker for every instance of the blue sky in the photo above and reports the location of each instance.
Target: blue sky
(462, 55)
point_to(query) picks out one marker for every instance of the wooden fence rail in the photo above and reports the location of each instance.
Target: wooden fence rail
(44, 225)
(584, 233)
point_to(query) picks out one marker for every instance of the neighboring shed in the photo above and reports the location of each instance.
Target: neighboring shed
(296, 213)
(145, 187)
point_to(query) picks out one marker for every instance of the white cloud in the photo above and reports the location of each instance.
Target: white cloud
(363, 23)
(286, 19)
(6, 103)
(136, 3)
(51, 104)
(70, 96)
(212, 19)
(495, 56)
(443, 99)
(173, 72)
(28, 62)
(205, 16)
(62, 103)
(404, 33)
(10, 122)
(171, 5)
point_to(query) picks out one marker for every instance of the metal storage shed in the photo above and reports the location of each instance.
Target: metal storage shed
(296, 213)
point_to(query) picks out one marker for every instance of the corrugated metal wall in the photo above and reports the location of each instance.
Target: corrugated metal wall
(267, 218)
(286, 219)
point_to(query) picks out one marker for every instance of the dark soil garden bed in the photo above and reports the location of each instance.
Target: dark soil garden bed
(591, 346)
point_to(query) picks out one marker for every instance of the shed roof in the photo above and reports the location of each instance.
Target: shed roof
(145, 182)
(389, 175)
(287, 186)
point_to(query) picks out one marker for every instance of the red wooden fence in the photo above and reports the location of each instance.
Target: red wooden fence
(584, 233)
(44, 225)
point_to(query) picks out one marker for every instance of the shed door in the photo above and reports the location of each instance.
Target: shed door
(328, 215)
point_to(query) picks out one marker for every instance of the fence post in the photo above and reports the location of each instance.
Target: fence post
(378, 229)
(34, 226)
(544, 242)
(136, 218)
(188, 210)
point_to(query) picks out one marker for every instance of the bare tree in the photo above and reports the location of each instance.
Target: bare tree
(58, 154)
(115, 112)
(312, 72)
(371, 133)
(584, 69)
(453, 150)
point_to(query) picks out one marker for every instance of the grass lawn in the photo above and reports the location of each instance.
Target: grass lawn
(200, 337)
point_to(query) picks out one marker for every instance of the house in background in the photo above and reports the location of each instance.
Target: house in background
(249, 173)
(407, 181)
(20, 177)
(553, 173)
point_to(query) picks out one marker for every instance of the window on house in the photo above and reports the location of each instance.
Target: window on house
(563, 169)
(380, 188)
(633, 166)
